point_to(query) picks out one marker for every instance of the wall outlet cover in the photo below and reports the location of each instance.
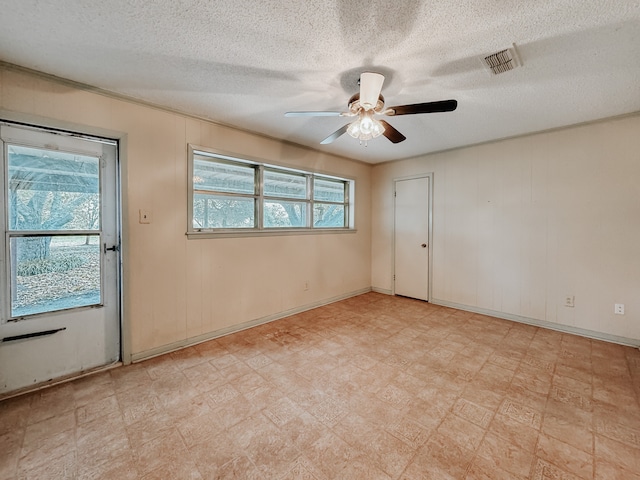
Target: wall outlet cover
(145, 216)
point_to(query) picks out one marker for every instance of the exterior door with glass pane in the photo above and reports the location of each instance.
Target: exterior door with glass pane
(59, 262)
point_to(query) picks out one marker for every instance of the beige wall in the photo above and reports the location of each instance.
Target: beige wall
(521, 223)
(518, 224)
(177, 289)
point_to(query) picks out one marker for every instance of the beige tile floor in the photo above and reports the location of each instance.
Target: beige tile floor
(374, 387)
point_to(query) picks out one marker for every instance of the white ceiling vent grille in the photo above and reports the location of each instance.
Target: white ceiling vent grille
(502, 61)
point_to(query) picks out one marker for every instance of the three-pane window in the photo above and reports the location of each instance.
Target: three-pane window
(235, 194)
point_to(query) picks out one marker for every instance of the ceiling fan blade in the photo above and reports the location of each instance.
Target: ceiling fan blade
(313, 114)
(334, 136)
(370, 88)
(391, 133)
(428, 107)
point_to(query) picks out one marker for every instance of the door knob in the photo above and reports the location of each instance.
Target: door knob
(424, 245)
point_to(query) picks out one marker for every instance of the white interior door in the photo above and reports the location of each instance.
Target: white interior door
(59, 261)
(411, 245)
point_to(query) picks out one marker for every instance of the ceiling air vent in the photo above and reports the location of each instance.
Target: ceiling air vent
(502, 61)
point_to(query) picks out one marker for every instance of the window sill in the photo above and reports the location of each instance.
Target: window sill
(268, 233)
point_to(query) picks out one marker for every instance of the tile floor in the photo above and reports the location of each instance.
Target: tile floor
(373, 387)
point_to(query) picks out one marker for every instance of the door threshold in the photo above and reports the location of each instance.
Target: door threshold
(411, 298)
(58, 381)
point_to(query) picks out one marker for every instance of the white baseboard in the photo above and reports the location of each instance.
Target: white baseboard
(381, 290)
(171, 347)
(154, 352)
(631, 342)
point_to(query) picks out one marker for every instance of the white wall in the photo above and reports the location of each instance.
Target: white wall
(176, 289)
(521, 223)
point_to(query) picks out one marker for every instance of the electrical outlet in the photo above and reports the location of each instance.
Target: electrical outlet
(306, 285)
(569, 301)
(145, 216)
(618, 309)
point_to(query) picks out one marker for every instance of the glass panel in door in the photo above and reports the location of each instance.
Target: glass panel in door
(68, 276)
(54, 230)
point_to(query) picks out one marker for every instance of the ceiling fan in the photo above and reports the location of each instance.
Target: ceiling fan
(367, 105)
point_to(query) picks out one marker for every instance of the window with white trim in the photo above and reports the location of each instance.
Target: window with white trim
(236, 195)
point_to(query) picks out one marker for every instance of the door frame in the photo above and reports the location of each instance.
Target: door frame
(429, 177)
(45, 124)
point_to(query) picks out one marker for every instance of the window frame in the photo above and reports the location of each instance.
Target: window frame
(225, 161)
(260, 197)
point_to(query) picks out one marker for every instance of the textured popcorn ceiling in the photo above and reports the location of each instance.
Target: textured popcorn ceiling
(245, 63)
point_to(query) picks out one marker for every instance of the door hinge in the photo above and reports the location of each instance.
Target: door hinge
(394, 278)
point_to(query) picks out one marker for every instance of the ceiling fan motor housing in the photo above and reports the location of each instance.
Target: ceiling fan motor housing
(354, 104)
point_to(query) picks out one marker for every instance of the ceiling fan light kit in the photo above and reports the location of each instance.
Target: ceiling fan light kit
(366, 127)
(369, 103)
